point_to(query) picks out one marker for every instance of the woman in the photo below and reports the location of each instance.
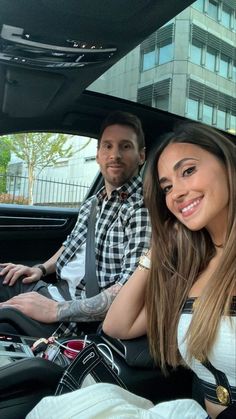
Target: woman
(191, 195)
(186, 301)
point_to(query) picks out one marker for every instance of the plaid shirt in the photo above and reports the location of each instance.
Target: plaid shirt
(122, 234)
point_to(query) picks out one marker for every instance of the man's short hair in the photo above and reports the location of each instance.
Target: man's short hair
(124, 118)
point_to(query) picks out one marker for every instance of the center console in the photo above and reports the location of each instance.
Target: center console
(14, 347)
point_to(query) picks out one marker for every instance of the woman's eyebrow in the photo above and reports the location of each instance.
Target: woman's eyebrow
(177, 166)
(162, 180)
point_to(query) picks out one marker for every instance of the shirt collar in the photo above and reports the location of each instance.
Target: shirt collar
(123, 191)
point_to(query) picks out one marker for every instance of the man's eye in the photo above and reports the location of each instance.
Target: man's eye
(189, 171)
(127, 146)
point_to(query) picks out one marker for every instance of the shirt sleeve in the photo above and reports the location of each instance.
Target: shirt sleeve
(138, 232)
(80, 225)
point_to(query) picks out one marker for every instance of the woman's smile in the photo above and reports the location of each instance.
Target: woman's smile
(190, 207)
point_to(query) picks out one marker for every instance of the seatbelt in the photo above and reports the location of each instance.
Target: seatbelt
(90, 277)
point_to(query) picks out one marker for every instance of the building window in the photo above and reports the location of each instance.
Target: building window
(156, 95)
(212, 10)
(158, 48)
(165, 53)
(162, 54)
(224, 66)
(207, 113)
(196, 52)
(232, 124)
(221, 119)
(161, 102)
(210, 114)
(211, 55)
(234, 71)
(192, 108)
(149, 59)
(225, 16)
(198, 5)
(210, 106)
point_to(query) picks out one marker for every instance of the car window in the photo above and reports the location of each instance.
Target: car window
(50, 169)
(187, 67)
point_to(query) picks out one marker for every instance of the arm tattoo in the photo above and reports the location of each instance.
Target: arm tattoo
(89, 309)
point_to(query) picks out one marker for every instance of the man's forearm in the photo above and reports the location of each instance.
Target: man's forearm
(89, 309)
(50, 264)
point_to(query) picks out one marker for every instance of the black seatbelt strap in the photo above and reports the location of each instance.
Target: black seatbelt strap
(90, 277)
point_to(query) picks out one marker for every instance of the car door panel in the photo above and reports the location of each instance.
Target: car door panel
(30, 234)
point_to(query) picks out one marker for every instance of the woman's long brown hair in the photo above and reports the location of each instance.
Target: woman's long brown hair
(180, 255)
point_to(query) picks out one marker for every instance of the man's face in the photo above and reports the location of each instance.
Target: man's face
(118, 155)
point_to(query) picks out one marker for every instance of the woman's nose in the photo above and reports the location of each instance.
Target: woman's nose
(178, 191)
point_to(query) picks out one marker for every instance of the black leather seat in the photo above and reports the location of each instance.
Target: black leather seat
(24, 383)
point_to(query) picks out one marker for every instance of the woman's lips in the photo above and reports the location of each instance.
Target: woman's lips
(189, 208)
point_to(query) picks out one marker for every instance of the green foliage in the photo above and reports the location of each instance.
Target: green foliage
(5, 156)
(40, 149)
(5, 151)
(3, 186)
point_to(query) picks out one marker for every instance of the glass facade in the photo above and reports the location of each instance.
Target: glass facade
(187, 67)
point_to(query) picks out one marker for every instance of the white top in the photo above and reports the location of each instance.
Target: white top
(72, 272)
(222, 355)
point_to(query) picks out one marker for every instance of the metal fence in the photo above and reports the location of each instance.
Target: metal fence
(46, 191)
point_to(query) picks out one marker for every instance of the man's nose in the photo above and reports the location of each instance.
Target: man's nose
(115, 153)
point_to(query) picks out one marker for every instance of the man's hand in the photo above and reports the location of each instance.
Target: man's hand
(14, 272)
(35, 306)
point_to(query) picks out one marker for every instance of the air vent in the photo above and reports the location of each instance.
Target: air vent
(18, 47)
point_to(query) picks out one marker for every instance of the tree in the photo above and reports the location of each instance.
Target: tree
(5, 157)
(39, 150)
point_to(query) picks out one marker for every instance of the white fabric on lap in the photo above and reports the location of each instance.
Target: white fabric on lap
(98, 401)
(107, 401)
(179, 409)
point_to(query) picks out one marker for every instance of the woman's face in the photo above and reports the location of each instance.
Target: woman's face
(195, 185)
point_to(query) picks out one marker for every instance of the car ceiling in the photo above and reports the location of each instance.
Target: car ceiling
(39, 91)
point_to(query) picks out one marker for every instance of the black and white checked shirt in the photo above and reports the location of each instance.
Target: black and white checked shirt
(122, 234)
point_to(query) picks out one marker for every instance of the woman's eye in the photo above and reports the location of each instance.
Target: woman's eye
(166, 189)
(189, 171)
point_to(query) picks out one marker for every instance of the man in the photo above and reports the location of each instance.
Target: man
(122, 233)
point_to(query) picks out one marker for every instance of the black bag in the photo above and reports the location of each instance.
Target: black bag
(89, 362)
